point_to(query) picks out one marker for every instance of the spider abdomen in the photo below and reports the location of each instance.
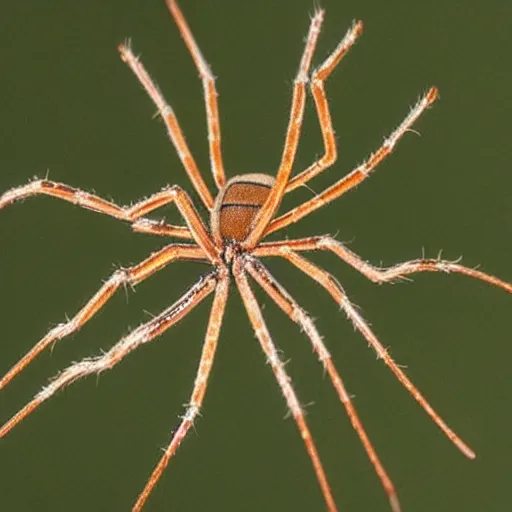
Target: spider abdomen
(237, 205)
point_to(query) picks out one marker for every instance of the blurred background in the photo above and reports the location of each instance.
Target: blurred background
(69, 105)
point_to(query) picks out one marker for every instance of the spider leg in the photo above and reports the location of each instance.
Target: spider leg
(200, 385)
(359, 174)
(376, 274)
(160, 228)
(143, 334)
(171, 122)
(284, 381)
(326, 280)
(293, 131)
(173, 194)
(210, 94)
(320, 75)
(290, 307)
(132, 275)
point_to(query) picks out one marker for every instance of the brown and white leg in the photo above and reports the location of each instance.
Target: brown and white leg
(338, 294)
(143, 334)
(292, 134)
(401, 270)
(161, 228)
(210, 94)
(359, 174)
(200, 385)
(284, 381)
(290, 307)
(128, 276)
(171, 122)
(173, 194)
(320, 75)
(376, 274)
(177, 195)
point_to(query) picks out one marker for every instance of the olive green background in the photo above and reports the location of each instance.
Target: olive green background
(68, 104)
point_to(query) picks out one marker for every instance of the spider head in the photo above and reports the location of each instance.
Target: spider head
(232, 249)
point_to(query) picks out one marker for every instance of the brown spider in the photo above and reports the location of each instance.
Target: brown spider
(241, 215)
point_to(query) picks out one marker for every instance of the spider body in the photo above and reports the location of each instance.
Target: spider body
(237, 205)
(242, 215)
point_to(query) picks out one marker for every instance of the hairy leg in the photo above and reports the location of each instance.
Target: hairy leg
(320, 75)
(376, 274)
(173, 194)
(161, 228)
(209, 91)
(291, 308)
(127, 276)
(143, 334)
(338, 294)
(272, 355)
(198, 393)
(171, 122)
(273, 200)
(359, 174)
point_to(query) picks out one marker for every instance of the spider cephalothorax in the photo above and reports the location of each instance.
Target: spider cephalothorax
(242, 214)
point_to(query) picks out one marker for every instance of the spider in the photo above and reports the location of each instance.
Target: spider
(242, 214)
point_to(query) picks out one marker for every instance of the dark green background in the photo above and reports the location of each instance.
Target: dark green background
(68, 104)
